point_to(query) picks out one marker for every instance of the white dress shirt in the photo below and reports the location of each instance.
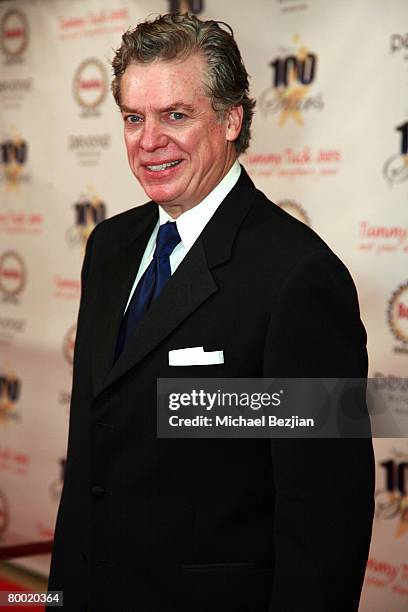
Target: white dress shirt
(190, 224)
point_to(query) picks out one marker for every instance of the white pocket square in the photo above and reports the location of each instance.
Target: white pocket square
(195, 355)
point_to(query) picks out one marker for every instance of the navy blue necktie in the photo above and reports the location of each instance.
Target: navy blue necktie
(150, 284)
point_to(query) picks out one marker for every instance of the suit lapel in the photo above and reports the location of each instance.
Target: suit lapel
(117, 278)
(190, 285)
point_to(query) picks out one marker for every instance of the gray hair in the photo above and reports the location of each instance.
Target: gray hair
(175, 36)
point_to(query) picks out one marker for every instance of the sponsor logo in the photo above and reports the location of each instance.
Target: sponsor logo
(389, 382)
(21, 222)
(4, 513)
(12, 276)
(66, 288)
(10, 390)
(56, 485)
(290, 96)
(9, 327)
(395, 169)
(399, 44)
(88, 148)
(13, 158)
(64, 399)
(69, 344)
(89, 211)
(389, 392)
(93, 23)
(13, 92)
(294, 163)
(291, 6)
(397, 313)
(381, 573)
(296, 210)
(14, 461)
(392, 498)
(186, 6)
(383, 238)
(14, 35)
(90, 86)
(45, 532)
(16, 85)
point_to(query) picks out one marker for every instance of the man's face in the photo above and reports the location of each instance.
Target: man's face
(177, 146)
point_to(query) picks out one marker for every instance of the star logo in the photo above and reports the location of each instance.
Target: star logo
(89, 211)
(9, 393)
(14, 157)
(294, 93)
(402, 525)
(290, 95)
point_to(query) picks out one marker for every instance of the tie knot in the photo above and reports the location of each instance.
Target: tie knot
(167, 238)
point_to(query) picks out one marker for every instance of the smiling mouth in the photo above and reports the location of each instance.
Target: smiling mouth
(158, 167)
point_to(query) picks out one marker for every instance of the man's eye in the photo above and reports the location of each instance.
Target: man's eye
(177, 116)
(132, 119)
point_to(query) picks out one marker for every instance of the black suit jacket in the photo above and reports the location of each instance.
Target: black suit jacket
(231, 525)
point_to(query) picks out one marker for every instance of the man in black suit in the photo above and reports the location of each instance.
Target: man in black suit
(238, 525)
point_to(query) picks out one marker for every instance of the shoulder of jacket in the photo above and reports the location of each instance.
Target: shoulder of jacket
(271, 226)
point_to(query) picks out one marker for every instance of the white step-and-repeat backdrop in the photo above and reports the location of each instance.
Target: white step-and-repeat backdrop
(330, 145)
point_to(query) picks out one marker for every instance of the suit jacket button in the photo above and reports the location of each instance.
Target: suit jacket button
(98, 491)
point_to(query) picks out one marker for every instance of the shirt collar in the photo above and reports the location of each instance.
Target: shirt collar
(191, 223)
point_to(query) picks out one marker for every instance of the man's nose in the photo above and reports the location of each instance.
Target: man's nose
(152, 136)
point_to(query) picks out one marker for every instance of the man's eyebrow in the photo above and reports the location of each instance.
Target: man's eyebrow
(177, 105)
(126, 109)
(173, 106)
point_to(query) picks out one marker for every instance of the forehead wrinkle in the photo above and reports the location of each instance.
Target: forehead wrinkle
(177, 85)
(177, 104)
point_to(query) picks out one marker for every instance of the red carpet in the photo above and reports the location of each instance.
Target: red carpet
(5, 585)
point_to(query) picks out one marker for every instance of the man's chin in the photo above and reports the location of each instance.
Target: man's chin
(161, 196)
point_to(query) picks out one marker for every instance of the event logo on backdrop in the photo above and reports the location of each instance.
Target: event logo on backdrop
(397, 313)
(10, 391)
(392, 497)
(89, 211)
(14, 461)
(13, 276)
(296, 210)
(96, 23)
(13, 158)
(290, 163)
(13, 92)
(9, 328)
(56, 485)
(186, 6)
(384, 574)
(68, 344)
(391, 391)
(292, 94)
(399, 45)
(88, 148)
(21, 222)
(66, 288)
(90, 86)
(395, 168)
(291, 6)
(4, 513)
(14, 35)
(383, 239)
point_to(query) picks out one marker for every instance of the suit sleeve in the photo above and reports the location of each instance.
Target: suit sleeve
(68, 567)
(324, 487)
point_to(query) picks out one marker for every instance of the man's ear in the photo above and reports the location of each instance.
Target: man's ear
(234, 122)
